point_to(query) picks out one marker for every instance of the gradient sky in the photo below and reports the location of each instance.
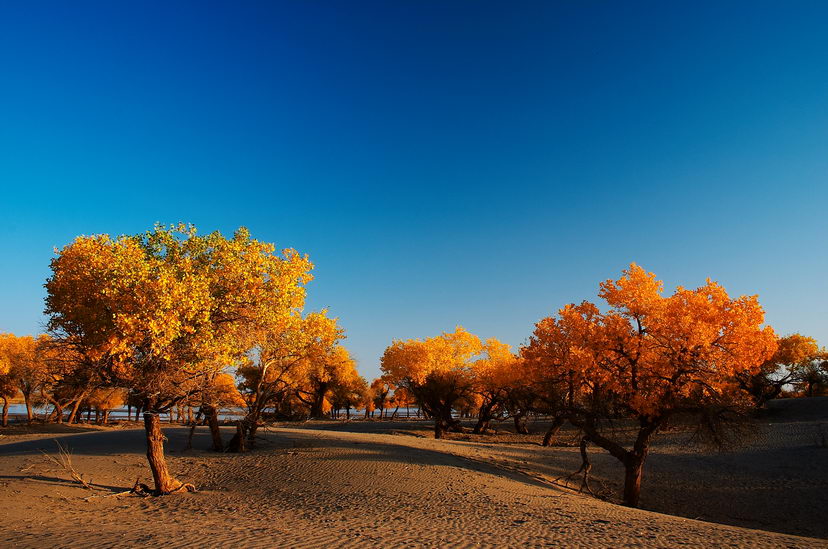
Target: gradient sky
(442, 163)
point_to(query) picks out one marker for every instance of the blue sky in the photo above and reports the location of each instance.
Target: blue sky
(442, 163)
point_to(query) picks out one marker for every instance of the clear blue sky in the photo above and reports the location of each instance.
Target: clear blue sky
(441, 162)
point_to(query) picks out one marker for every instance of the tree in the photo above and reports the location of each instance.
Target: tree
(328, 371)
(496, 374)
(283, 352)
(794, 354)
(103, 401)
(349, 391)
(435, 371)
(649, 358)
(8, 387)
(811, 377)
(7, 382)
(26, 365)
(65, 379)
(381, 388)
(153, 311)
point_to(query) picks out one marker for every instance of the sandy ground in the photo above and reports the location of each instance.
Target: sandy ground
(367, 484)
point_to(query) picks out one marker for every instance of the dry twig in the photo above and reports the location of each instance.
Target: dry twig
(65, 463)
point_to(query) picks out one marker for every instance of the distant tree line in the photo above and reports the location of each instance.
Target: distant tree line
(697, 356)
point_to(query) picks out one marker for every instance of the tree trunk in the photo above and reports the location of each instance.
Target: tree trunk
(212, 421)
(164, 481)
(553, 430)
(5, 412)
(481, 426)
(438, 427)
(633, 469)
(318, 400)
(484, 418)
(58, 413)
(240, 437)
(251, 434)
(73, 415)
(520, 424)
(27, 398)
(193, 425)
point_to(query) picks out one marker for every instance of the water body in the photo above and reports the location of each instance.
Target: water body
(17, 412)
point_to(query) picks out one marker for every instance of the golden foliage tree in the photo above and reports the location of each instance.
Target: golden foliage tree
(25, 362)
(8, 387)
(495, 375)
(333, 369)
(435, 371)
(648, 358)
(793, 357)
(381, 389)
(104, 400)
(285, 353)
(152, 311)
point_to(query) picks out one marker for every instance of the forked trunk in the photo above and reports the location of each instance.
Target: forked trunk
(164, 481)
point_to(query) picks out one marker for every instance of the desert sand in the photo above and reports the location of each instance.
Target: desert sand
(371, 483)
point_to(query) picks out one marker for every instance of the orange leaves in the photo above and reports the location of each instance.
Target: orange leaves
(651, 352)
(415, 359)
(20, 356)
(498, 369)
(795, 349)
(637, 292)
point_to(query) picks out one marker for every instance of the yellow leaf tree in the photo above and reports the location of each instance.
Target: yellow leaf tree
(436, 371)
(25, 366)
(792, 358)
(284, 353)
(495, 375)
(155, 310)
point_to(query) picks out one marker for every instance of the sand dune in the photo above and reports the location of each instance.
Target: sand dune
(314, 488)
